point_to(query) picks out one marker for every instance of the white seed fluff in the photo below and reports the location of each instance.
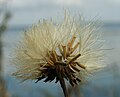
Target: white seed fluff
(31, 52)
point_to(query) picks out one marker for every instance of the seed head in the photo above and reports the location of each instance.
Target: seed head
(59, 51)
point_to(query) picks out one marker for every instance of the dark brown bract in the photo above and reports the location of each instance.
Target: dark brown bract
(63, 64)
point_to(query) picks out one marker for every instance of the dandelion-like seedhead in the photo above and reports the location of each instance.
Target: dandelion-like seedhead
(65, 50)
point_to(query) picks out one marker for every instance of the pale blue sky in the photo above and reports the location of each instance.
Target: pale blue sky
(30, 11)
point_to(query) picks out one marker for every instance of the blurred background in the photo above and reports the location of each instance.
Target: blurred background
(18, 15)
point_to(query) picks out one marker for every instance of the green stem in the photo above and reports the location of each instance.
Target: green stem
(62, 83)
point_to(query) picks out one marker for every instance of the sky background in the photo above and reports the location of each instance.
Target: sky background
(30, 11)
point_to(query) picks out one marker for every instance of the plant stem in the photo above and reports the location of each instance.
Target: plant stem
(62, 83)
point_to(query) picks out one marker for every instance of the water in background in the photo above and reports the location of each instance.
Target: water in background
(105, 84)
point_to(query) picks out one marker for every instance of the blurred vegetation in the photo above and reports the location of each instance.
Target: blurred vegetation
(4, 17)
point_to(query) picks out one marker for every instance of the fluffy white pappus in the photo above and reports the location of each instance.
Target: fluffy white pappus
(32, 51)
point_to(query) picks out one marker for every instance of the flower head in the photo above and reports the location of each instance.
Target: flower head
(59, 51)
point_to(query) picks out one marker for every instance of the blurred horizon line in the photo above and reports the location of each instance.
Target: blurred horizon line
(26, 26)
